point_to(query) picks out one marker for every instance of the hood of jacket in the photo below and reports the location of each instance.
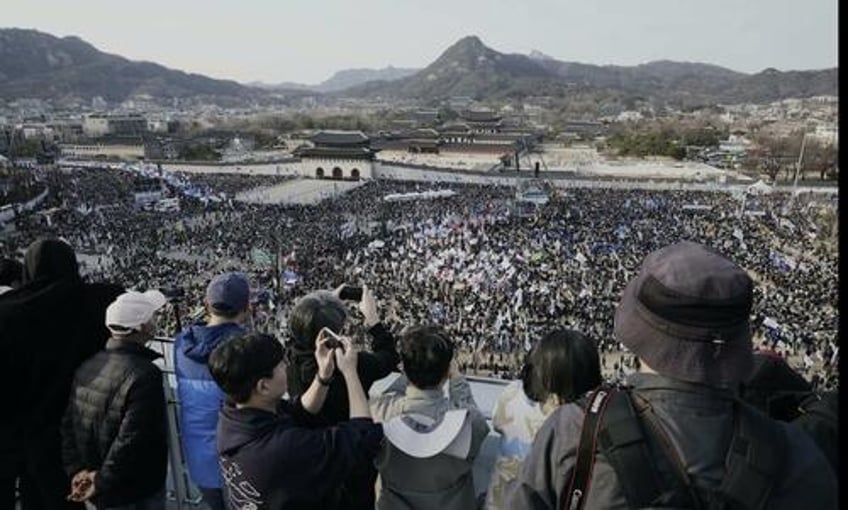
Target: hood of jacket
(197, 342)
(50, 260)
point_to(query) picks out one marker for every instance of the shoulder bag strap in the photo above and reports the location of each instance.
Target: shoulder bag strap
(581, 476)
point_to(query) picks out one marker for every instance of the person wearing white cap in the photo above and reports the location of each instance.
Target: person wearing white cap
(114, 435)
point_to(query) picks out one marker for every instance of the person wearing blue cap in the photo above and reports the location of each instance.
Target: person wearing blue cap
(228, 306)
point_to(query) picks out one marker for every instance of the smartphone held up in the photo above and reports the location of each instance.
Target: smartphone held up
(333, 340)
(350, 293)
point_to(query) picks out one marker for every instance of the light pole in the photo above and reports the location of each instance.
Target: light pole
(800, 159)
(797, 172)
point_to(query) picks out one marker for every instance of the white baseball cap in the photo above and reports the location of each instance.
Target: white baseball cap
(133, 309)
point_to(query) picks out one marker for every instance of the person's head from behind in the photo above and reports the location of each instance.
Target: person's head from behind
(250, 369)
(314, 312)
(686, 315)
(228, 298)
(133, 315)
(49, 260)
(563, 365)
(426, 353)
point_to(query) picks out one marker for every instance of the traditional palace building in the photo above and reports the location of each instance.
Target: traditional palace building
(338, 155)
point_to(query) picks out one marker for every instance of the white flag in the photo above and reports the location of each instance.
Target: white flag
(737, 233)
(579, 257)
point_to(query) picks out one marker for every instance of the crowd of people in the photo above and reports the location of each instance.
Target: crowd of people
(705, 419)
(495, 279)
(667, 292)
(18, 186)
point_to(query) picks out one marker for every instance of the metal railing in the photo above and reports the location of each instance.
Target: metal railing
(180, 491)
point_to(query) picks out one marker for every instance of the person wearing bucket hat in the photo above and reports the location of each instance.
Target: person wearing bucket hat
(114, 436)
(676, 435)
(687, 316)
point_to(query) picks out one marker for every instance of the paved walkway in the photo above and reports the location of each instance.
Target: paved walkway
(299, 191)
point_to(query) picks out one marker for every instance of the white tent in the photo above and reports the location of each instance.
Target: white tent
(759, 188)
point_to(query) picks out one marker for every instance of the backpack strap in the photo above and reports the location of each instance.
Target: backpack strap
(623, 442)
(612, 424)
(754, 460)
(684, 484)
(581, 475)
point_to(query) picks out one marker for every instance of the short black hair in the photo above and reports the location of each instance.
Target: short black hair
(564, 363)
(426, 353)
(240, 362)
(314, 312)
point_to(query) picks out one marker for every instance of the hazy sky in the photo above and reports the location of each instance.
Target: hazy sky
(307, 40)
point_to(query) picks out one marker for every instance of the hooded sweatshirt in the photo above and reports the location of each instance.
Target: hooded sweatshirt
(275, 461)
(200, 399)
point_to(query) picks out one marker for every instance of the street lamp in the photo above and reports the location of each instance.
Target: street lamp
(800, 158)
(797, 173)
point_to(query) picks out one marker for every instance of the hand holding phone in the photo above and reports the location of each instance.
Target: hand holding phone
(325, 355)
(350, 293)
(333, 340)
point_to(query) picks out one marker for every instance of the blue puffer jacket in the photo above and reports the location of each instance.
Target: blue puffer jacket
(200, 399)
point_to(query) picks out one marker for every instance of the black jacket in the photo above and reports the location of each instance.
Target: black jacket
(115, 424)
(371, 366)
(280, 461)
(48, 327)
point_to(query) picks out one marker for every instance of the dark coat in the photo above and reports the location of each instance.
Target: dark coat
(371, 366)
(115, 424)
(276, 461)
(48, 327)
(699, 422)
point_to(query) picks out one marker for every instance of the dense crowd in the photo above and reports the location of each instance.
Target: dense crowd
(494, 279)
(18, 186)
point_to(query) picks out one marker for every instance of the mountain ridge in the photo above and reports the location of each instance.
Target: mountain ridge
(470, 68)
(343, 79)
(35, 64)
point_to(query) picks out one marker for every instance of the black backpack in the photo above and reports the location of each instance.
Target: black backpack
(618, 423)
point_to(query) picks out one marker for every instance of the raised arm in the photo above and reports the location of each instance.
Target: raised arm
(346, 359)
(384, 358)
(313, 399)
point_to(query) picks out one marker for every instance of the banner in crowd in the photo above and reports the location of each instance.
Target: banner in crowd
(422, 195)
(782, 262)
(261, 257)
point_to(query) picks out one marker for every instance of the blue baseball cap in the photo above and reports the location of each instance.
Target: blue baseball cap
(228, 292)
